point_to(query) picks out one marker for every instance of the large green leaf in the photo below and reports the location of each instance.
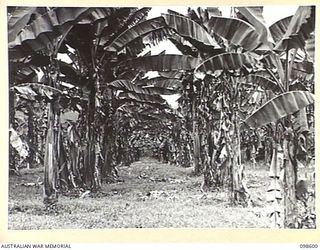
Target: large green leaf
(255, 16)
(279, 107)
(279, 28)
(18, 20)
(138, 16)
(227, 61)
(190, 30)
(41, 31)
(135, 32)
(161, 63)
(236, 31)
(299, 29)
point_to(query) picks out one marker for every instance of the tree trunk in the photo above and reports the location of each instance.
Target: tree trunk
(31, 140)
(52, 147)
(108, 143)
(196, 140)
(89, 164)
(239, 189)
(51, 159)
(290, 178)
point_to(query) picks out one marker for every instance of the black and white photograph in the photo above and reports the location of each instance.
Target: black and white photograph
(161, 117)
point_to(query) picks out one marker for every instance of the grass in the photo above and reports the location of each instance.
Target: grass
(153, 195)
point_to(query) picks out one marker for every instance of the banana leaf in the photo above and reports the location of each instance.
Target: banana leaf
(227, 61)
(263, 82)
(299, 29)
(279, 107)
(161, 63)
(46, 27)
(255, 17)
(236, 31)
(279, 28)
(138, 16)
(18, 20)
(190, 30)
(135, 32)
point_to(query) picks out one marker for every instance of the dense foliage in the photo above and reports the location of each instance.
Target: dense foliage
(83, 102)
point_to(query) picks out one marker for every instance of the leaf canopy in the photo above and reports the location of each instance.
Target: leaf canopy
(279, 107)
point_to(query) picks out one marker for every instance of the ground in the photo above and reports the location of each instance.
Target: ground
(152, 195)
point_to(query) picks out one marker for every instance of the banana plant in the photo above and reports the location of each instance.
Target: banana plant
(290, 36)
(34, 40)
(37, 36)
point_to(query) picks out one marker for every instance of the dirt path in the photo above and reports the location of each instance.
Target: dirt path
(152, 195)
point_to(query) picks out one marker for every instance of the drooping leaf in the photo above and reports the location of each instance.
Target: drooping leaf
(95, 15)
(279, 28)
(40, 32)
(263, 82)
(236, 31)
(135, 32)
(255, 17)
(18, 20)
(227, 61)
(279, 107)
(299, 29)
(161, 63)
(137, 16)
(190, 30)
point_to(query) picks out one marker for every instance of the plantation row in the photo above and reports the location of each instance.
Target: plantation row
(82, 101)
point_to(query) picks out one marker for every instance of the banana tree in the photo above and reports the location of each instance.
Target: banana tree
(251, 36)
(35, 36)
(32, 44)
(290, 36)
